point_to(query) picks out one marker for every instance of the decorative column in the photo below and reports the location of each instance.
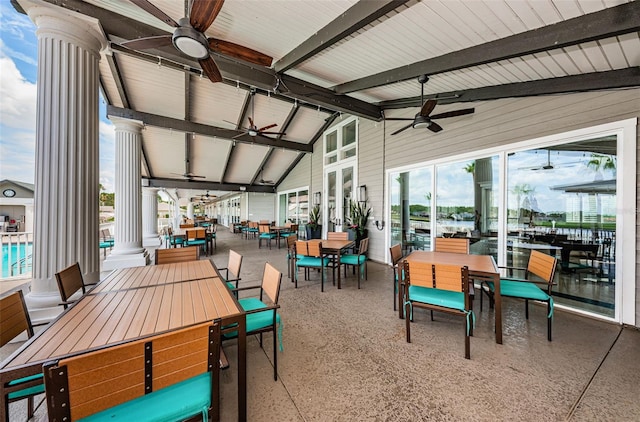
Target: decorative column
(67, 166)
(128, 250)
(190, 210)
(150, 217)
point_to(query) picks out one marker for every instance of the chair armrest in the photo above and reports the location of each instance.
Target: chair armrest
(91, 284)
(267, 308)
(68, 302)
(246, 288)
(512, 268)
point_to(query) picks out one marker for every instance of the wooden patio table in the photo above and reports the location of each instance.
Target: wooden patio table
(481, 267)
(135, 303)
(335, 248)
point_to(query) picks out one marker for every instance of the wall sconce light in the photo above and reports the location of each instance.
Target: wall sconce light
(317, 198)
(362, 193)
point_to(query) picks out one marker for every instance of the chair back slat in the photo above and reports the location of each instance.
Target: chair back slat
(421, 273)
(291, 241)
(302, 248)
(271, 282)
(235, 263)
(14, 317)
(450, 277)
(364, 246)
(542, 265)
(337, 236)
(314, 249)
(172, 255)
(264, 228)
(396, 253)
(70, 281)
(186, 225)
(452, 244)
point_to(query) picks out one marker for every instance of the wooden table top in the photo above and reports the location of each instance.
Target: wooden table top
(335, 245)
(475, 263)
(152, 275)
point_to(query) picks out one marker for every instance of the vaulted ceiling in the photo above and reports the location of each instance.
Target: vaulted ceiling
(341, 56)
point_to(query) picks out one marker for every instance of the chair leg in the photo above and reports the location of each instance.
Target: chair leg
(431, 315)
(549, 321)
(395, 292)
(467, 342)
(275, 354)
(407, 322)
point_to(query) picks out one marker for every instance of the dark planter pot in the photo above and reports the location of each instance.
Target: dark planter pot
(314, 233)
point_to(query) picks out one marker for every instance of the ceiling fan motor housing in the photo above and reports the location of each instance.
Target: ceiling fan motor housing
(189, 41)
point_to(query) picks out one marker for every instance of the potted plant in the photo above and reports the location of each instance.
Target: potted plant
(314, 228)
(359, 213)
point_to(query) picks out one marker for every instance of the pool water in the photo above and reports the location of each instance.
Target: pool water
(18, 252)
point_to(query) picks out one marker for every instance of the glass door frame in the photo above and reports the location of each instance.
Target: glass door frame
(626, 132)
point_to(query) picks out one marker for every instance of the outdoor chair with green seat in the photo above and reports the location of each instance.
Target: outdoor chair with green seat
(452, 244)
(211, 238)
(265, 234)
(106, 240)
(540, 270)
(198, 237)
(358, 260)
(291, 254)
(173, 255)
(14, 320)
(438, 287)
(232, 270)
(70, 281)
(172, 376)
(262, 312)
(309, 254)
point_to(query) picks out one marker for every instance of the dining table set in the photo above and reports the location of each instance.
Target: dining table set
(131, 304)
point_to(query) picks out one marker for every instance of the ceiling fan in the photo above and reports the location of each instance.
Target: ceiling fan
(189, 176)
(549, 165)
(189, 37)
(206, 198)
(253, 129)
(423, 119)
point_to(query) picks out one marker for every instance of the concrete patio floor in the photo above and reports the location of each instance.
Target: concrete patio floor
(346, 359)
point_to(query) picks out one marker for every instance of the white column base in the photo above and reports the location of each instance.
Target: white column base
(115, 261)
(43, 307)
(151, 241)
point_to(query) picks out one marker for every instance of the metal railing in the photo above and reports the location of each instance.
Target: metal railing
(16, 254)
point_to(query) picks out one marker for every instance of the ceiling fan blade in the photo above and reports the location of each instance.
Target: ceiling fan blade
(434, 127)
(428, 107)
(453, 113)
(251, 123)
(273, 133)
(150, 8)
(203, 13)
(210, 69)
(240, 52)
(267, 127)
(404, 128)
(400, 118)
(148, 42)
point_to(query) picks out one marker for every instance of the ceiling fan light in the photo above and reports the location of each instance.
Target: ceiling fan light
(421, 122)
(253, 132)
(191, 42)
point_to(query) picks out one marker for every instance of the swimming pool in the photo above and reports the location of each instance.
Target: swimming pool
(18, 252)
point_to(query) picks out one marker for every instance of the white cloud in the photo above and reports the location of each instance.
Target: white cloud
(6, 51)
(18, 105)
(107, 156)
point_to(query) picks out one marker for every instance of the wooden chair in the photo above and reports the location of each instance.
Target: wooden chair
(69, 282)
(265, 234)
(171, 376)
(337, 236)
(291, 254)
(211, 238)
(452, 244)
(308, 255)
(262, 311)
(540, 265)
(443, 288)
(198, 237)
(106, 241)
(14, 320)
(169, 256)
(396, 257)
(233, 268)
(358, 260)
(186, 225)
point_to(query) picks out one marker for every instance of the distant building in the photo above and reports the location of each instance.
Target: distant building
(16, 206)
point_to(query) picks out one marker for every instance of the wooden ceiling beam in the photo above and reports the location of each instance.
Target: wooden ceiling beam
(596, 81)
(610, 22)
(158, 182)
(202, 129)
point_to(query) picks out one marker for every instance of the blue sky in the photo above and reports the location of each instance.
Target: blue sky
(18, 78)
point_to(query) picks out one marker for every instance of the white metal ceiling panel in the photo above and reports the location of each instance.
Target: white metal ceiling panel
(216, 104)
(153, 88)
(165, 152)
(306, 124)
(278, 164)
(267, 110)
(245, 162)
(209, 157)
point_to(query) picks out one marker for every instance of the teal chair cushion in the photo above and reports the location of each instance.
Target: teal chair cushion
(231, 285)
(27, 392)
(196, 242)
(521, 289)
(176, 402)
(257, 320)
(311, 261)
(104, 245)
(267, 235)
(353, 259)
(445, 298)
